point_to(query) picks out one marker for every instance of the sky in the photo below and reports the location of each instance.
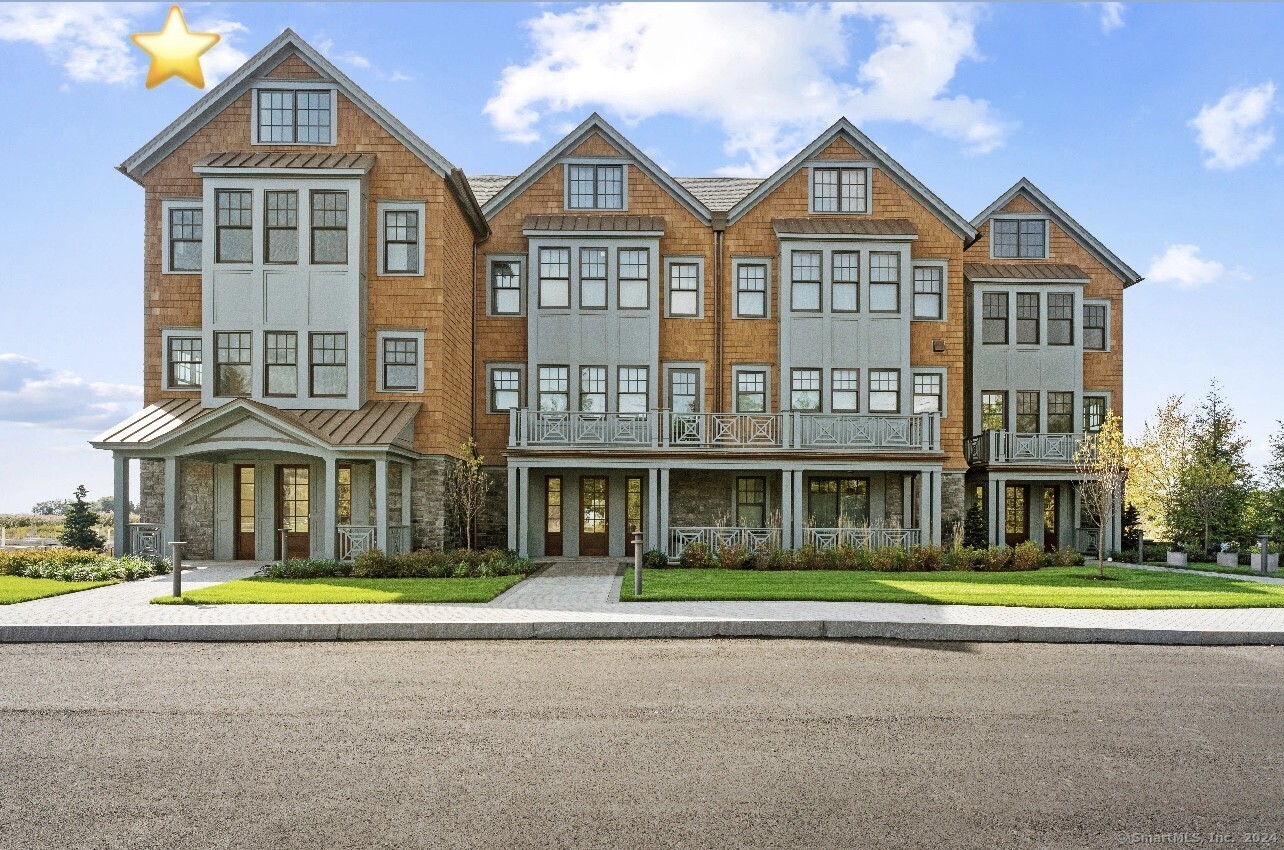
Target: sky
(1154, 125)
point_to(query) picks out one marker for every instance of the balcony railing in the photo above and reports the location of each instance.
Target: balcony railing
(356, 540)
(716, 538)
(146, 540)
(664, 429)
(862, 538)
(1009, 447)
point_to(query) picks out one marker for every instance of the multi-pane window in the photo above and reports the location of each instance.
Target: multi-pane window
(838, 502)
(232, 363)
(506, 288)
(927, 392)
(684, 289)
(281, 364)
(329, 364)
(631, 392)
(554, 277)
(400, 363)
(751, 391)
(994, 411)
(844, 390)
(884, 282)
(505, 389)
(635, 276)
(1027, 318)
(804, 389)
(593, 278)
(994, 318)
(185, 233)
(233, 234)
(684, 390)
(1020, 238)
(805, 290)
(751, 502)
(329, 227)
(1094, 412)
(929, 289)
(593, 389)
(1094, 327)
(751, 289)
(1060, 413)
(281, 227)
(884, 391)
(401, 241)
(595, 187)
(1027, 412)
(845, 294)
(554, 389)
(840, 190)
(301, 117)
(1061, 319)
(184, 359)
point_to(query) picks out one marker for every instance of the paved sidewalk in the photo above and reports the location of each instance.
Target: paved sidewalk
(580, 600)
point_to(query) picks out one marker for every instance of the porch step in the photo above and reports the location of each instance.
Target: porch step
(581, 567)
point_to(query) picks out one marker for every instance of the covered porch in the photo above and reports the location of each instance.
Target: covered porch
(1043, 507)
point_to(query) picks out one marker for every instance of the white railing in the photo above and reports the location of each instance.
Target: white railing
(146, 540)
(398, 539)
(715, 538)
(862, 538)
(355, 540)
(664, 429)
(1009, 447)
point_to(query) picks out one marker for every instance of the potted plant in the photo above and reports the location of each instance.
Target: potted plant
(1272, 558)
(1177, 555)
(1228, 555)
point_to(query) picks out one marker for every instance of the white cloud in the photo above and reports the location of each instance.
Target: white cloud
(224, 57)
(1181, 265)
(772, 76)
(31, 394)
(1233, 131)
(1112, 16)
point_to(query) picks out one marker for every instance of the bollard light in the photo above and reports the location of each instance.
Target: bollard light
(285, 546)
(1263, 544)
(637, 563)
(176, 560)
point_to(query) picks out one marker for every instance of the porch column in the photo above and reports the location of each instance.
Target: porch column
(120, 493)
(329, 507)
(170, 522)
(406, 470)
(924, 518)
(800, 510)
(662, 541)
(381, 504)
(786, 507)
(652, 507)
(512, 508)
(907, 500)
(938, 480)
(523, 511)
(1116, 524)
(998, 530)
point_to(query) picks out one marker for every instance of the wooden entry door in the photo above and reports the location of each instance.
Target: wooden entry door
(1017, 520)
(593, 510)
(632, 511)
(293, 504)
(243, 544)
(1051, 514)
(553, 515)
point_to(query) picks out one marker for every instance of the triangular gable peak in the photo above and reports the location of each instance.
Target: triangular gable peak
(844, 141)
(595, 137)
(1025, 197)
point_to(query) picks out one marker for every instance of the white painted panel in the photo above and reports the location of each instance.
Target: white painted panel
(332, 297)
(557, 335)
(237, 300)
(888, 342)
(635, 339)
(595, 346)
(286, 298)
(224, 512)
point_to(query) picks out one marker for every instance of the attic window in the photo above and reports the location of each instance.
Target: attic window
(595, 187)
(840, 190)
(295, 117)
(1020, 238)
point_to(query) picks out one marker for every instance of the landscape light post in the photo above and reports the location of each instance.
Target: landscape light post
(285, 542)
(1263, 544)
(176, 561)
(637, 563)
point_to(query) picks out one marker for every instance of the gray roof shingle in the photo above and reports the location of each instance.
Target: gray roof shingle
(719, 194)
(1024, 271)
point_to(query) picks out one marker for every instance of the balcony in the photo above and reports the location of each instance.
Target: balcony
(1006, 447)
(664, 430)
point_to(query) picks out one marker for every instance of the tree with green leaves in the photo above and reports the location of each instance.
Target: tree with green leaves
(1215, 484)
(1271, 501)
(1132, 531)
(976, 533)
(469, 485)
(1101, 462)
(51, 507)
(1159, 458)
(78, 524)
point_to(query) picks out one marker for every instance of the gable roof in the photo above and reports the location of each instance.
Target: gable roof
(842, 127)
(1089, 242)
(288, 42)
(720, 193)
(595, 124)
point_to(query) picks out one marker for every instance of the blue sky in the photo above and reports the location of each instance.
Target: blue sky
(1153, 124)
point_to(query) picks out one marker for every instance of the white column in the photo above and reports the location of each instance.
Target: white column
(786, 507)
(907, 500)
(652, 508)
(800, 510)
(998, 531)
(512, 508)
(381, 504)
(938, 481)
(523, 511)
(662, 540)
(406, 472)
(170, 521)
(329, 507)
(924, 506)
(120, 493)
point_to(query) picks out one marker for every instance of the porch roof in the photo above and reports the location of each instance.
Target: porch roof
(1057, 272)
(594, 223)
(241, 160)
(897, 227)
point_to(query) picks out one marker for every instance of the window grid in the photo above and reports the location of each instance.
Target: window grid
(281, 227)
(929, 291)
(845, 297)
(232, 359)
(599, 187)
(281, 364)
(1094, 327)
(554, 277)
(401, 241)
(994, 411)
(554, 389)
(593, 389)
(684, 390)
(294, 117)
(635, 274)
(1060, 412)
(994, 318)
(185, 362)
(1024, 239)
(329, 369)
(684, 289)
(1060, 319)
(505, 389)
(751, 502)
(506, 288)
(1027, 318)
(844, 390)
(884, 282)
(593, 278)
(805, 276)
(1027, 412)
(751, 391)
(840, 190)
(804, 385)
(632, 389)
(1094, 412)
(329, 227)
(400, 363)
(927, 392)
(751, 290)
(233, 238)
(185, 234)
(884, 391)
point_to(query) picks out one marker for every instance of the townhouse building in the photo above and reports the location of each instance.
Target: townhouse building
(827, 355)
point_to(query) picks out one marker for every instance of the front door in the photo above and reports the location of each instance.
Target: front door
(293, 500)
(593, 506)
(1051, 510)
(553, 515)
(244, 543)
(1017, 522)
(632, 512)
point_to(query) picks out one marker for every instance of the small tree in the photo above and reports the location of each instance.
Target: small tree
(468, 487)
(976, 534)
(51, 507)
(78, 524)
(1159, 459)
(1132, 530)
(1101, 462)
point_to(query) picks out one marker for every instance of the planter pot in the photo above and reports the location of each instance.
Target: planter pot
(1176, 559)
(1272, 562)
(1228, 559)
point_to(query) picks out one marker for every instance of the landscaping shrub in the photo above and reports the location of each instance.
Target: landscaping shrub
(1065, 557)
(78, 565)
(459, 563)
(810, 558)
(761, 558)
(733, 557)
(962, 558)
(781, 559)
(1027, 556)
(695, 556)
(654, 559)
(997, 559)
(889, 560)
(924, 559)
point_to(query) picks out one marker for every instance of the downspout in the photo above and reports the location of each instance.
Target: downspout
(719, 224)
(472, 345)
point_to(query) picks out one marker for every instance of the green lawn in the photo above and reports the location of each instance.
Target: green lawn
(329, 590)
(1055, 587)
(19, 589)
(1211, 568)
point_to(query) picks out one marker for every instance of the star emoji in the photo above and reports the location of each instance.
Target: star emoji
(175, 51)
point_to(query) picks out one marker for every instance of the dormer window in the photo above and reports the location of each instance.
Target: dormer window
(840, 190)
(595, 187)
(1019, 238)
(294, 117)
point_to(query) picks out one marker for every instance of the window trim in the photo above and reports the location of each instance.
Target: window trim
(1039, 412)
(818, 282)
(539, 390)
(1047, 412)
(944, 266)
(833, 389)
(668, 368)
(944, 373)
(1047, 233)
(834, 282)
(180, 333)
(595, 161)
(680, 260)
(1007, 409)
(619, 275)
(312, 364)
(267, 364)
(1038, 318)
(1074, 302)
(380, 365)
(765, 369)
(216, 363)
(505, 366)
(1083, 407)
(347, 227)
(766, 499)
(491, 261)
(295, 86)
(167, 205)
(736, 263)
(1085, 303)
(579, 278)
(219, 228)
(383, 207)
(1007, 316)
(900, 282)
(570, 276)
(869, 389)
(819, 372)
(619, 387)
(827, 164)
(268, 228)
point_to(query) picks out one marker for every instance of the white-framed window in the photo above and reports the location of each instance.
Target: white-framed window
(555, 277)
(885, 391)
(593, 265)
(328, 372)
(804, 390)
(233, 359)
(329, 227)
(844, 390)
(505, 286)
(685, 286)
(182, 235)
(281, 227)
(1027, 318)
(554, 389)
(184, 358)
(1060, 412)
(929, 391)
(234, 229)
(1060, 318)
(596, 186)
(752, 394)
(751, 288)
(1023, 238)
(504, 383)
(805, 281)
(281, 364)
(631, 389)
(844, 294)
(1096, 326)
(635, 278)
(884, 282)
(929, 290)
(296, 114)
(401, 237)
(994, 318)
(401, 361)
(684, 389)
(839, 189)
(593, 389)
(1095, 406)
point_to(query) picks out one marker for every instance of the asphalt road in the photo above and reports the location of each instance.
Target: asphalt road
(726, 744)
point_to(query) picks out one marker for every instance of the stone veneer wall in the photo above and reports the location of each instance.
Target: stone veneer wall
(196, 508)
(151, 483)
(953, 504)
(431, 523)
(701, 498)
(492, 525)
